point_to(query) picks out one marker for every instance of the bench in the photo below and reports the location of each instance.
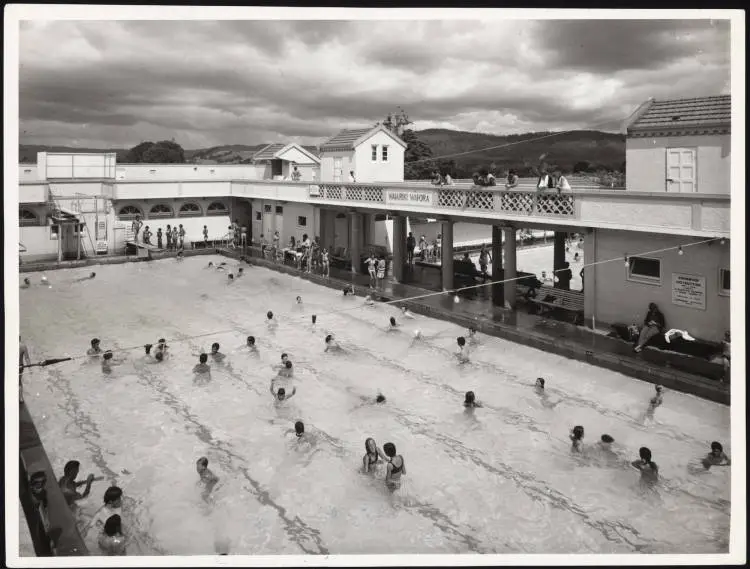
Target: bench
(549, 300)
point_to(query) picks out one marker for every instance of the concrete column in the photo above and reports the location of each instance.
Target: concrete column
(509, 288)
(59, 241)
(399, 247)
(447, 256)
(355, 243)
(367, 221)
(497, 265)
(558, 254)
(589, 279)
(78, 241)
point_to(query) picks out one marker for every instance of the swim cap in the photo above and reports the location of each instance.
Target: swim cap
(607, 439)
(329, 338)
(461, 341)
(380, 398)
(299, 427)
(269, 314)
(578, 431)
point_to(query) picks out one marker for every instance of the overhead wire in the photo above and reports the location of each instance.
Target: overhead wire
(184, 338)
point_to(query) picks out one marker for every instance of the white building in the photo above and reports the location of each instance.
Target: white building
(280, 159)
(374, 155)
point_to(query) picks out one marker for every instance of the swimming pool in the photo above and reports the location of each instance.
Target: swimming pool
(499, 480)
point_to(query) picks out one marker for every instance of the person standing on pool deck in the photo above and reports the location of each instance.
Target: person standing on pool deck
(576, 437)
(395, 468)
(136, 227)
(381, 271)
(182, 236)
(372, 262)
(168, 235)
(68, 483)
(23, 360)
(175, 234)
(649, 469)
(717, 457)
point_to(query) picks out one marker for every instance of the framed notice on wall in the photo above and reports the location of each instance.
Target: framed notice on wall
(689, 291)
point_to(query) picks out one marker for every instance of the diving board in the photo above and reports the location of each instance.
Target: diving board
(143, 251)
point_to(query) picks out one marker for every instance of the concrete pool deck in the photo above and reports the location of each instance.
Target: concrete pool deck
(669, 369)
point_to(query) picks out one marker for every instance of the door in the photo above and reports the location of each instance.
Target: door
(280, 224)
(338, 169)
(681, 170)
(268, 222)
(276, 168)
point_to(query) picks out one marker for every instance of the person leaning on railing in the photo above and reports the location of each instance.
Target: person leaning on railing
(512, 180)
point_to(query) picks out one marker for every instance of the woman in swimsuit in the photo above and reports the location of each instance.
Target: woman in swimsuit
(395, 468)
(381, 270)
(649, 470)
(371, 269)
(372, 455)
(326, 263)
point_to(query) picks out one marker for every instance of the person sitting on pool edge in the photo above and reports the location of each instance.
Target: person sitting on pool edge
(68, 483)
(281, 394)
(649, 469)
(576, 436)
(215, 353)
(395, 468)
(207, 478)
(111, 540)
(95, 349)
(717, 457)
(470, 400)
(202, 366)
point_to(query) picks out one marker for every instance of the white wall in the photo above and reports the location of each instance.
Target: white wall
(28, 172)
(368, 171)
(295, 155)
(646, 160)
(309, 172)
(76, 166)
(326, 165)
(170, 172)
(619, 300)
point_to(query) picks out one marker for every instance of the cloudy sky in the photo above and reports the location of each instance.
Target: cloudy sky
(205, 83)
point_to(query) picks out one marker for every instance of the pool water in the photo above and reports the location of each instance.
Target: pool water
(499, 480)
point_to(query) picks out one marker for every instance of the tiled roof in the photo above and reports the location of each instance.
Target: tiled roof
(346, 138)
(269, 152)
(686, 113)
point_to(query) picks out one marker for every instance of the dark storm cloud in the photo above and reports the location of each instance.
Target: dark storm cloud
(214, 82)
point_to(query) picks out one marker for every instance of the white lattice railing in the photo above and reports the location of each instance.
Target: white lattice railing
(525, 202)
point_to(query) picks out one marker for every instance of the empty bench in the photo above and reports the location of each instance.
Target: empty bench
(549, 300)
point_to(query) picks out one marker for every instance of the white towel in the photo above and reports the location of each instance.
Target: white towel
(675, 332)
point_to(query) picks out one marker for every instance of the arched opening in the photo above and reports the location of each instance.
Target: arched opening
(190, 210)
(129, 212)
(27, 217)
(160, 210)
(217, 208)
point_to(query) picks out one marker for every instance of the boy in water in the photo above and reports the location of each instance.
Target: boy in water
(158, 355)
(108, 360)
(463, 351)
(576, 437)
(281, 394)
(286, 370)
(539, 388)
(270, 321)
(202, 366)
(649, 470)
(26, 282)
(207, 478)
(95, 349)
(393, 325)
(470, 400)
(655, 402)
(331, 343)
(68, 483)
(251, 344)
(215, 353)
(717, 457)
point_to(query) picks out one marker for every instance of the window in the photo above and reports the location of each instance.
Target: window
(302, 221)
(27, 217)
(54, 232)
(385, 153)
(258, 216)
(279, 210)
(160, 210)
(644, 270)
(129, 212)
(724, 282)
(217, 208)
(190, 210)
(374, 152)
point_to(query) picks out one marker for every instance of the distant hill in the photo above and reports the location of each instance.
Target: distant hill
(601, 150)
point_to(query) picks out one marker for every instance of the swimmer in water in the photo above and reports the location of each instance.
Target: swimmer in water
(463, 350)
(380, 398)
(215, 353)
(230, 277)
(240, 272)
(372, 455)
(332, 344)
(393, 325)
(69, 485)
(281, 394)
(95, 349)
(576, 437)
(111, 539)
(405, 313)
(26, 282)
(368, 300)
(286, 370)
(299, 300)
(649, 470)
(717, 457)
(202, 366)
(24, 360)
(284, 359)
(210, 264)
(108, 361)
(158, 355)
(271, 322)
(348, 290)
(161, 346)
(180, 255)
(654, 402)
(395, 467)
(88, 278)
(112, 506)
(539, 388)
(207, 478)
(44, 280)
(251, 344)
(470, 400)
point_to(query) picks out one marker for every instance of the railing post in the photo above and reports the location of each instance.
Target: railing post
(535, 203)
(497, 200)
